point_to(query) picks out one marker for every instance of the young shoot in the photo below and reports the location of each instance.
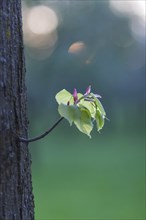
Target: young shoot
(80, 109)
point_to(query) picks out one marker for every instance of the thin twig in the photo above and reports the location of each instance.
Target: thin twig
(42, 135)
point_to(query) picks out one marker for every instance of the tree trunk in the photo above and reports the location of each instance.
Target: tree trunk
(16, 199)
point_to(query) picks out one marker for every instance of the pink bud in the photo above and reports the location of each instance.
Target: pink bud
(75, 96)
(88, 90)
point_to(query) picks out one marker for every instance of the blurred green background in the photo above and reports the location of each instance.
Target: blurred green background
(75, 44)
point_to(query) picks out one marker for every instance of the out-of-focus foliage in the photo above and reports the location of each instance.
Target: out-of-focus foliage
(91, 43)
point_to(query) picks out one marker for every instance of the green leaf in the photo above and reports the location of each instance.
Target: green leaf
(90, 106)
(64, 97)
(87, 104)
(69, 112)
(80, 95)
(79, 115)
(99, 120)
(83, 122)
(98, 104)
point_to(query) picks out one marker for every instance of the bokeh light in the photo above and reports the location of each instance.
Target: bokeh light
(135, 11)
(42, 20)
(77, 47)
(40, 31)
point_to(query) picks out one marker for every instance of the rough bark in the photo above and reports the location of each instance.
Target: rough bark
(16, 199)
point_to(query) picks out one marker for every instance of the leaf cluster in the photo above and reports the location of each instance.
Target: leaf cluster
(82, 110)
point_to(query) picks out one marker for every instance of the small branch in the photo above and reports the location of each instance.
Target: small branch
(42, 135)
